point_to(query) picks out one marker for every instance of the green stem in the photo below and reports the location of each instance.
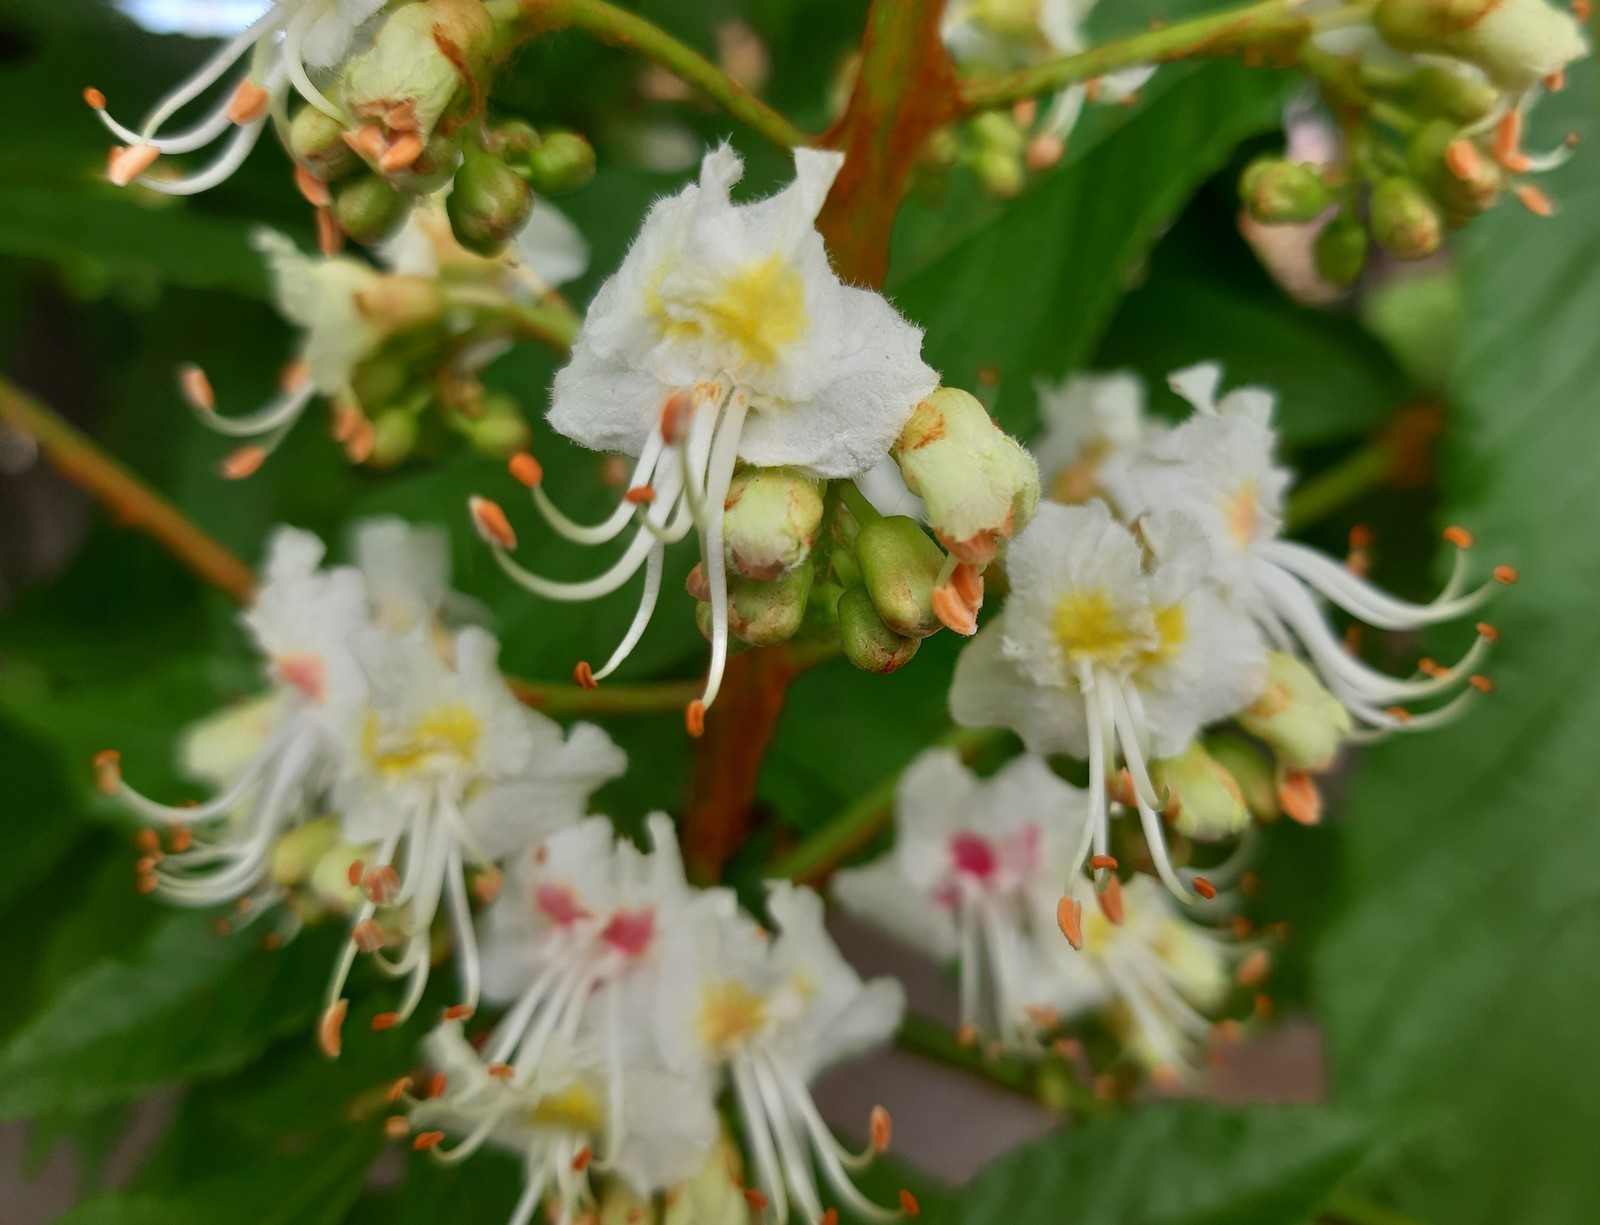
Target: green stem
(663, 697)
(842, 835)
(1050, 1082)
(856, 502)
(1341, 484)
(1268, 27)
(621, 28)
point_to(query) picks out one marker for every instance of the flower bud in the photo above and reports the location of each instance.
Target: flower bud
(316, 141)
(369, 210)
(1403, 220)
(1000, 172)
(764, 614)
(1461, 96)
(394, 434)
(399, 303)
(512, 140)
(1276, 192)
(900, 567)
(1341, 251)
(1464, 181)
(978, 484)
(1299, 720)
(1252, 771)
(297, 854)
(868, 643)
(560, 162)
(488, 204)
(380, 380)
(420, 61)
(1517, 42)
(435, 166)
(501, 431)
(1203, 800)
(770, 521)
(822, 612)
(329, 879)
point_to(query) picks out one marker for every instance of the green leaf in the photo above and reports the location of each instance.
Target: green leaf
(1171, 1164)
(1027, 288)
(1460, 988)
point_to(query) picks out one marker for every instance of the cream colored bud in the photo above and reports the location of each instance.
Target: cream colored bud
(422, 58)
(764, 614)
(979, 485)
(1204, 801)
(400, 303)
(770, 521)
(297, 853)
(1252, 771)
(1517, 42)
(1296, 717)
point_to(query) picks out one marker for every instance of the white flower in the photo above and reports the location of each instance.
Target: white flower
(447, 771)
(1090, 421)
(555, 1109)
(547, 252)
(1109, 649)
(284, 46)
(723, 337)
(271, 762)
(346, 310)
(774, 1010)
(976, 870)
(1218, 470)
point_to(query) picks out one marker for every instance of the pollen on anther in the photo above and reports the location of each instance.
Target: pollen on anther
(1535, 200)
(1428, 667)
(1103, 861)
(1069, 917)
(1505, 575)
(399, 1089)
(427, 1140)
(501, 1071)
(330, 234)
(1487, 632)
(354, 874)
(581, 1159)
(328, 1032)
(640, 495)
(1481, 683)
(94, 98)
(249, 103)
(1461, 157)
(196, 388)
(128, 162)
(830, 1217)
(491, 522)
(385, 1021)
(458, 1012)
(401, 154)
(1204, 888)
(954, 612)
(245, 462)
(673, 412)
(583, 676)
(908, 1203)
(755, 1199)
(1253, 970)
(436, 1084)
(881, 1127)
(148, 841)
(1111, 900)
(526, 470)
(1458, 536)
(313, 189)
(694, 718)
(108, 772)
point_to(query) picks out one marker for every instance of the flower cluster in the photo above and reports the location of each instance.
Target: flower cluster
(1167, 603)
(399, 728)
(631, 1001)
(751, 386)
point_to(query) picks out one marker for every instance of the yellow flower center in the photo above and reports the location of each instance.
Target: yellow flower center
(1172, 631)
(1090, 629)
(758, 309)
(449, 731)
(574, 1109)
(730, 1012)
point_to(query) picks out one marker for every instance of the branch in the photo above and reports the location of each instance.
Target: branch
(647, 699)
(623, 29)
(130, 501)
(1273, 29)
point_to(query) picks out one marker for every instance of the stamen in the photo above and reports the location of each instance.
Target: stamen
(459, 1012)
(1459, 536)
(148, 841)
(881, 1129)
(196, 388)
(954, 612)
(243, 463)
(128, 162)
(1111, 900)
(488, 883)
(248, 104)
(369, 936)
(436, 1084)
(380, 884)
(1253, 970)
(108, 773)
(967, 1035)
(1535, 200)
(328, 1032)
(755, 1199)
(581, 1159)
(1505, 575)
(314, 190)
(1107, 861)
(1299, 798)
(1204, 888)
(830, 1217)
(1069, 917)
(1556, 81)
(1481, 683)
(367, 141)
(427, 1139)
(396, 1127)
(330, 234)
(94, 98)
(526, 469)
(908, 1203)
(640, 495)
(399, 1089)
(1487, 632)
(400, 155)
(353, 875)
(583, 676)
(491, 522)
(1462, 159)
(694, 718)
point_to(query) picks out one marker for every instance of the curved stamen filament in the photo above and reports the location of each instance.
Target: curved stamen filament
(1149, 820)
(285, 410)
(212, 70)
(612, 526)
(294, 63)
(232, 157)
(759, 1138)
(1364, 601)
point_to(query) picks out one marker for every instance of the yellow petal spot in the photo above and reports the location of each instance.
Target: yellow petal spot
(1089, 628)
(1172, 631)
(758, 309)
(730, 1012)
(450, 732)
(574, 1109)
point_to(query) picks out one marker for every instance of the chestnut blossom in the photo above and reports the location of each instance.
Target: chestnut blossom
(723, 339)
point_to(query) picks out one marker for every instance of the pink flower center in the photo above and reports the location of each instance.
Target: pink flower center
(630, 931)
(559, 903)
(305, 672)
(973, 855)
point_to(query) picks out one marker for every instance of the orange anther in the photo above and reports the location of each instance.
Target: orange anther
(1120, 788)
(640, 495)
(488, 883)
(1092, 89)
(182, 839)
(146, 865)
(881, 1127)
(1299, 798)
(1428, 667)
(694, 718)
(196, 388)
(673, 412)
(436, 1084)
(399, 1089)
(108, 774)
(501, 1071)
(396, 1127)
(526, 469)
(1250, 883)
(1462, 159)
(1459, 536)
(1240, 926)
(908, 1203)
(222, 927)
(1227, 1030)
(583, 676)
(1481, 683)
(966, 580)
(1360, 537)
(385, 1021)
(1262, 1005)
(459, 1012)
(369, 936)
(427, 1140)
(1398, 713)
(330, 234)
(1253, 970)
(128, 162)
(1164, 1076)
(294, 376)
(331, 1027)
(146, 883)
(954, 612)
(355, 871)
(148, 841)
(1103, 861)
(314, 190)
(94, 98)
(755, 1199)
(1535, 201)
(1069, 918)
(1487, 632)
(581, 1159)
(967, 1035)
(1505, 575)
(249, 103)
(1204, 888)
(491, 522)
(1044, 151)
(1111, 900)
(1582, 9)
(367, 140)
(244, 462)
(401, 154)
(1556, 82)
(1508, 140)
(830, 1217)
(380, 884)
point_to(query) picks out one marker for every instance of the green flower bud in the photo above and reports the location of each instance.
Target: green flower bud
(998, 131)
(1403, 220)
(1341, 251)
(771, 520)
(501, 431)
(512, 140)
(488, 204)
(1203, 800)
(369, 210)
(394, 434)
(1463, 180)
(1276, 192)
(1517, 42)
(560, 162)
(420, 61)
(822, 612)
(329, 881)
(380, 380)
(435, 167)
(1296, 717)
(1252, 771)
(899, 567)
(713, 1196)
(1460, 96)
(868, 643)
(316, 141)
(297, 854)
(767, 613)
(1001, 173)
(980, 485)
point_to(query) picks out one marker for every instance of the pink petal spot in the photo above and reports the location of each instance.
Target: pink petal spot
(306, 673)
(630, 931)
(559, 903)
(973, 855)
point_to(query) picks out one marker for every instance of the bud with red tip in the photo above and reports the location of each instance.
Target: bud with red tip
(770, 521)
